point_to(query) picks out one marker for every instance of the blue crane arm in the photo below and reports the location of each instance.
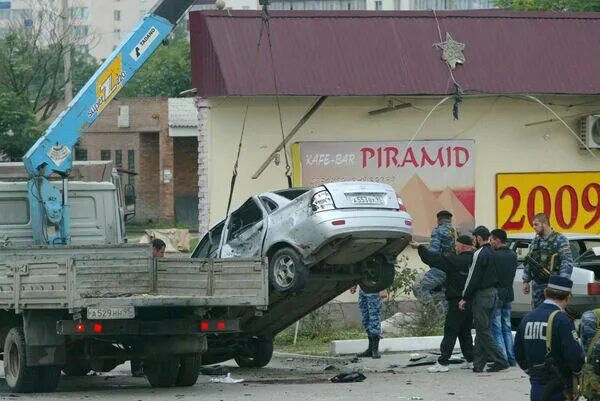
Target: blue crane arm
(52, 153)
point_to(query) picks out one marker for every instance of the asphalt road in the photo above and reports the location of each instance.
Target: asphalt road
(293, 378)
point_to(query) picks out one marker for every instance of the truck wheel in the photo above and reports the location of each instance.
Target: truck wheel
(76, 369)
(189, 369)
(286, 270)
(258, 354)
(377, 274)
(19, 377)
(162, 372)
(48, 379)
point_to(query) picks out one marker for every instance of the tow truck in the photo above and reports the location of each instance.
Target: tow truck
(74, 296)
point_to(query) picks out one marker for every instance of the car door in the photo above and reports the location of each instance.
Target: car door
(522, 302)
(246, 230)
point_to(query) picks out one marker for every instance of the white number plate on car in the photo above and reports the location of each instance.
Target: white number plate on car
(366, 199)
(122, 312)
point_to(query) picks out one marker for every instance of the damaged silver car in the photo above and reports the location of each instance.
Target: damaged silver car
(354, 227)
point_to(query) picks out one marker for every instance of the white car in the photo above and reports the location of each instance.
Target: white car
(347, 227)
(586, 272)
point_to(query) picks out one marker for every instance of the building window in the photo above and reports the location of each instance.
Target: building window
(80, 12)
(81, 31)
(119, 158)
(378, 5)
(81, 154)
(117, 34)
(131, 165)
(105, 154)
(84, 49)
(117, 15)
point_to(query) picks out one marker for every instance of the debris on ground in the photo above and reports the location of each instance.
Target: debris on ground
(348, 378)
(431, 360)
(228, 380)
(216, 370)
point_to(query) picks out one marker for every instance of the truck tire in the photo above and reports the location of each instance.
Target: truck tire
(48, 379)
(287, 272)
(189, 369)
(76, 369)
(376, 274)
(162, 372)
(20, 378)
(258, 354)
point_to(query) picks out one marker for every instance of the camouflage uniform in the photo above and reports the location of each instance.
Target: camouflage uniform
(555, 244)
(370, 306)
(429, 288)
(587, 330)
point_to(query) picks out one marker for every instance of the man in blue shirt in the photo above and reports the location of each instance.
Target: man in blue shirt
(541, 326)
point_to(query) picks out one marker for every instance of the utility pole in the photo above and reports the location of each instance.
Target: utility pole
(65, 14)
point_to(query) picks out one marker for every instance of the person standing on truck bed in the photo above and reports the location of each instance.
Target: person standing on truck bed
(158, 251)
(430, 289)
(458, 322)
(550, 255)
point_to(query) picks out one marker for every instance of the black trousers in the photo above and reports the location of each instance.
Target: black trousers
(458, 324)
(486, 348)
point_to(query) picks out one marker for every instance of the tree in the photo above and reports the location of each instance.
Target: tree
(551, 5)
(31, 61)
(19, 128)
(166, 73)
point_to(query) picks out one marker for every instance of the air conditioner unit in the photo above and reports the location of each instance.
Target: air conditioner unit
(590, 131)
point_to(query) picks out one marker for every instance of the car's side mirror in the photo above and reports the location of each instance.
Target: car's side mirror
(130, 199)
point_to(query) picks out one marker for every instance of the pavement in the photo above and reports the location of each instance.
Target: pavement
(296, 377)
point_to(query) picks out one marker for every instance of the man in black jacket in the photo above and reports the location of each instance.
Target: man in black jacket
(506, 267)
(482, 293)
(458, 323)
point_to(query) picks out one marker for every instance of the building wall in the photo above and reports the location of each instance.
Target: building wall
(148, 136)
(497, 124)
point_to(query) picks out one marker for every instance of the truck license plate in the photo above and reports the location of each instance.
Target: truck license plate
(122, 312)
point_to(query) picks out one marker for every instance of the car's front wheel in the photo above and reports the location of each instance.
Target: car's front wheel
(287, 272)
(377, 274)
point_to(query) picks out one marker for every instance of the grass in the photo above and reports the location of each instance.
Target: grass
(317, 344)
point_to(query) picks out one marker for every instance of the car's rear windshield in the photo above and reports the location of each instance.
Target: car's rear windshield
(291, 193)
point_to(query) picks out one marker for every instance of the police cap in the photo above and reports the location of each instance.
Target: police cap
(559, 283)
(465, 239)
(444, 214)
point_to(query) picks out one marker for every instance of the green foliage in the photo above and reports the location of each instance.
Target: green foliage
(404, 279)
(428, 320)
(18, 127)
(166, 73)
(33, 72)
(550, 5)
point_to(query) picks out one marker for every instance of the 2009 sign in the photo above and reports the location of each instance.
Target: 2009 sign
(571, 200)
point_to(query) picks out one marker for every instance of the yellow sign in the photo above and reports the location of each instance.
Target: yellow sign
(108, 85)
(571, 200)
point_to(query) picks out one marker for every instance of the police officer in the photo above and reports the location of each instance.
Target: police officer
(371, 306)
(588, 330)
(550, 366)
(430, 289)
(550, 254)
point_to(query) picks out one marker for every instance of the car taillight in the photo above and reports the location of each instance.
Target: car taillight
(204, 326)
(401, 206)
(322, 201)
(80, 327)
(593, 288)
(220, 325)
(97, 327)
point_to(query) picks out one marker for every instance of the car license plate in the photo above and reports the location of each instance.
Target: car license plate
(122, 312)
(366, 199)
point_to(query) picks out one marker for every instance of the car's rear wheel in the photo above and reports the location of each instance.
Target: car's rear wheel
(287, 272)
(257, 353)
(377, 274)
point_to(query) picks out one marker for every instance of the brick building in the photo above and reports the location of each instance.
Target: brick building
(147, 136)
